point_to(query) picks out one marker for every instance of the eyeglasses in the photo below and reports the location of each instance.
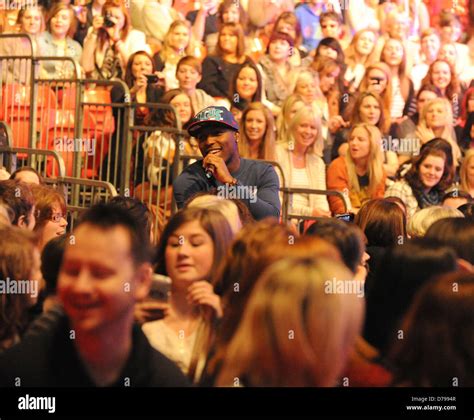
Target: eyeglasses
(56, 217)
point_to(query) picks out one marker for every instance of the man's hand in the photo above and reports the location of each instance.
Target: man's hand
(218, 167)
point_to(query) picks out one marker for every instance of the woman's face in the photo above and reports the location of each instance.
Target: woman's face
(436, 116)
(328, 80)
(179, 38)
(325, 51)
(366, 43)
(141, 65)
(228, 41)
(377, 81)
(306, 132)
(182, 103)
(247, 83)
(305, 88)
(441, 75)
(279, 50)
(430, 46)
(255, 125)
(359, 144)
(31, 21)
(231, 15)
(431, 170)
(189, 254)
(393, 52)
(448, 53)
(60, 23)
(286, 28)
(115, 14)
(56, 226)
(369, 110)
(424, 98)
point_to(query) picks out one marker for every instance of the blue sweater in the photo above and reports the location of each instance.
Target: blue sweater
(257, 187)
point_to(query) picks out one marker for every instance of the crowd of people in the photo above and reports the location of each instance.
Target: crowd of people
(370, 287)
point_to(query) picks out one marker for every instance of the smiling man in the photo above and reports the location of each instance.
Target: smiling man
(105, 270)
(223, 169)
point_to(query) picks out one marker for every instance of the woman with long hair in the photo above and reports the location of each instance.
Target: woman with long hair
(219, 68)
(246, 86)
(257, 136)
(288, 110)
(360, 174)
(303, 167)
(395, 56)
(108, 46)
(57, 41)
(466, 174)
(430, 175)
(177, 44)
(191, 248)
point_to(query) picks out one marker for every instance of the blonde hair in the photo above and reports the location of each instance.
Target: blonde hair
(425, 133)
(421, 221)
(284, 115)
(167, 51)
(291, 297)
(313, 113)
(375, 161)
(463, 172)
(267, 144)
(319, 97)
(350, 52)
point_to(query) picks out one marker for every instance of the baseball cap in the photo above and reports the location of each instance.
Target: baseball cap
(212, 115)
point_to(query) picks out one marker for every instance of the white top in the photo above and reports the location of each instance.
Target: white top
(398, 103)
(300, 179)
(176, 347)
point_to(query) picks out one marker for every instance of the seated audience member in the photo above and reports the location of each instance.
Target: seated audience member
(467, 106)
(219, 69)
(436, 121)
(338, 317)
(191, 248)
(257, 134)
(430, 175)
(308, 14)
(359, 175)
(443, 76)
(436, 350)
(277, 72)
(109, 253)
(204, 21)
(288, 110)
(189, 74)
(108, 48)
(19, 198)
(466, 173)
(57, 41)
(359, 55)
(421, 221)
(85, 17)
(301, 162)
(403, 270)
(19, 262)
(230, 209)
(246, 87)
(178, 43)
(456, 198)
(51, 260)
(27, 175)
(332, 27)
(307, 87)
(458, 233)
(51, 215)
(222, 167)
(430, 45)
(139, 65)
(287, 23)
(31, 22)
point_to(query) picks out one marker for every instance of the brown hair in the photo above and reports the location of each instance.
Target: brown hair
(55, 9)
(383, 222)
(453, 88)
(191, 61)
(383, 125)
(18, 196)
(236, 30)
(129, 78)
(45, 198)
(439, 338)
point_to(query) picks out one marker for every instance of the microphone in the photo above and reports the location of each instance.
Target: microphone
(210, 169)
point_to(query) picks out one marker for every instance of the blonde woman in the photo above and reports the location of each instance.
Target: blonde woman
(177, 44)
(300, 159)
(288, 110)
(467, 173)
(436, 120)
(360, 174)
(291, 299)
(359, 55)
(257, 137)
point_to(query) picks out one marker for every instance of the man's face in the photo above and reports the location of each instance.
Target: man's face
(219, 141)
(99, 283)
